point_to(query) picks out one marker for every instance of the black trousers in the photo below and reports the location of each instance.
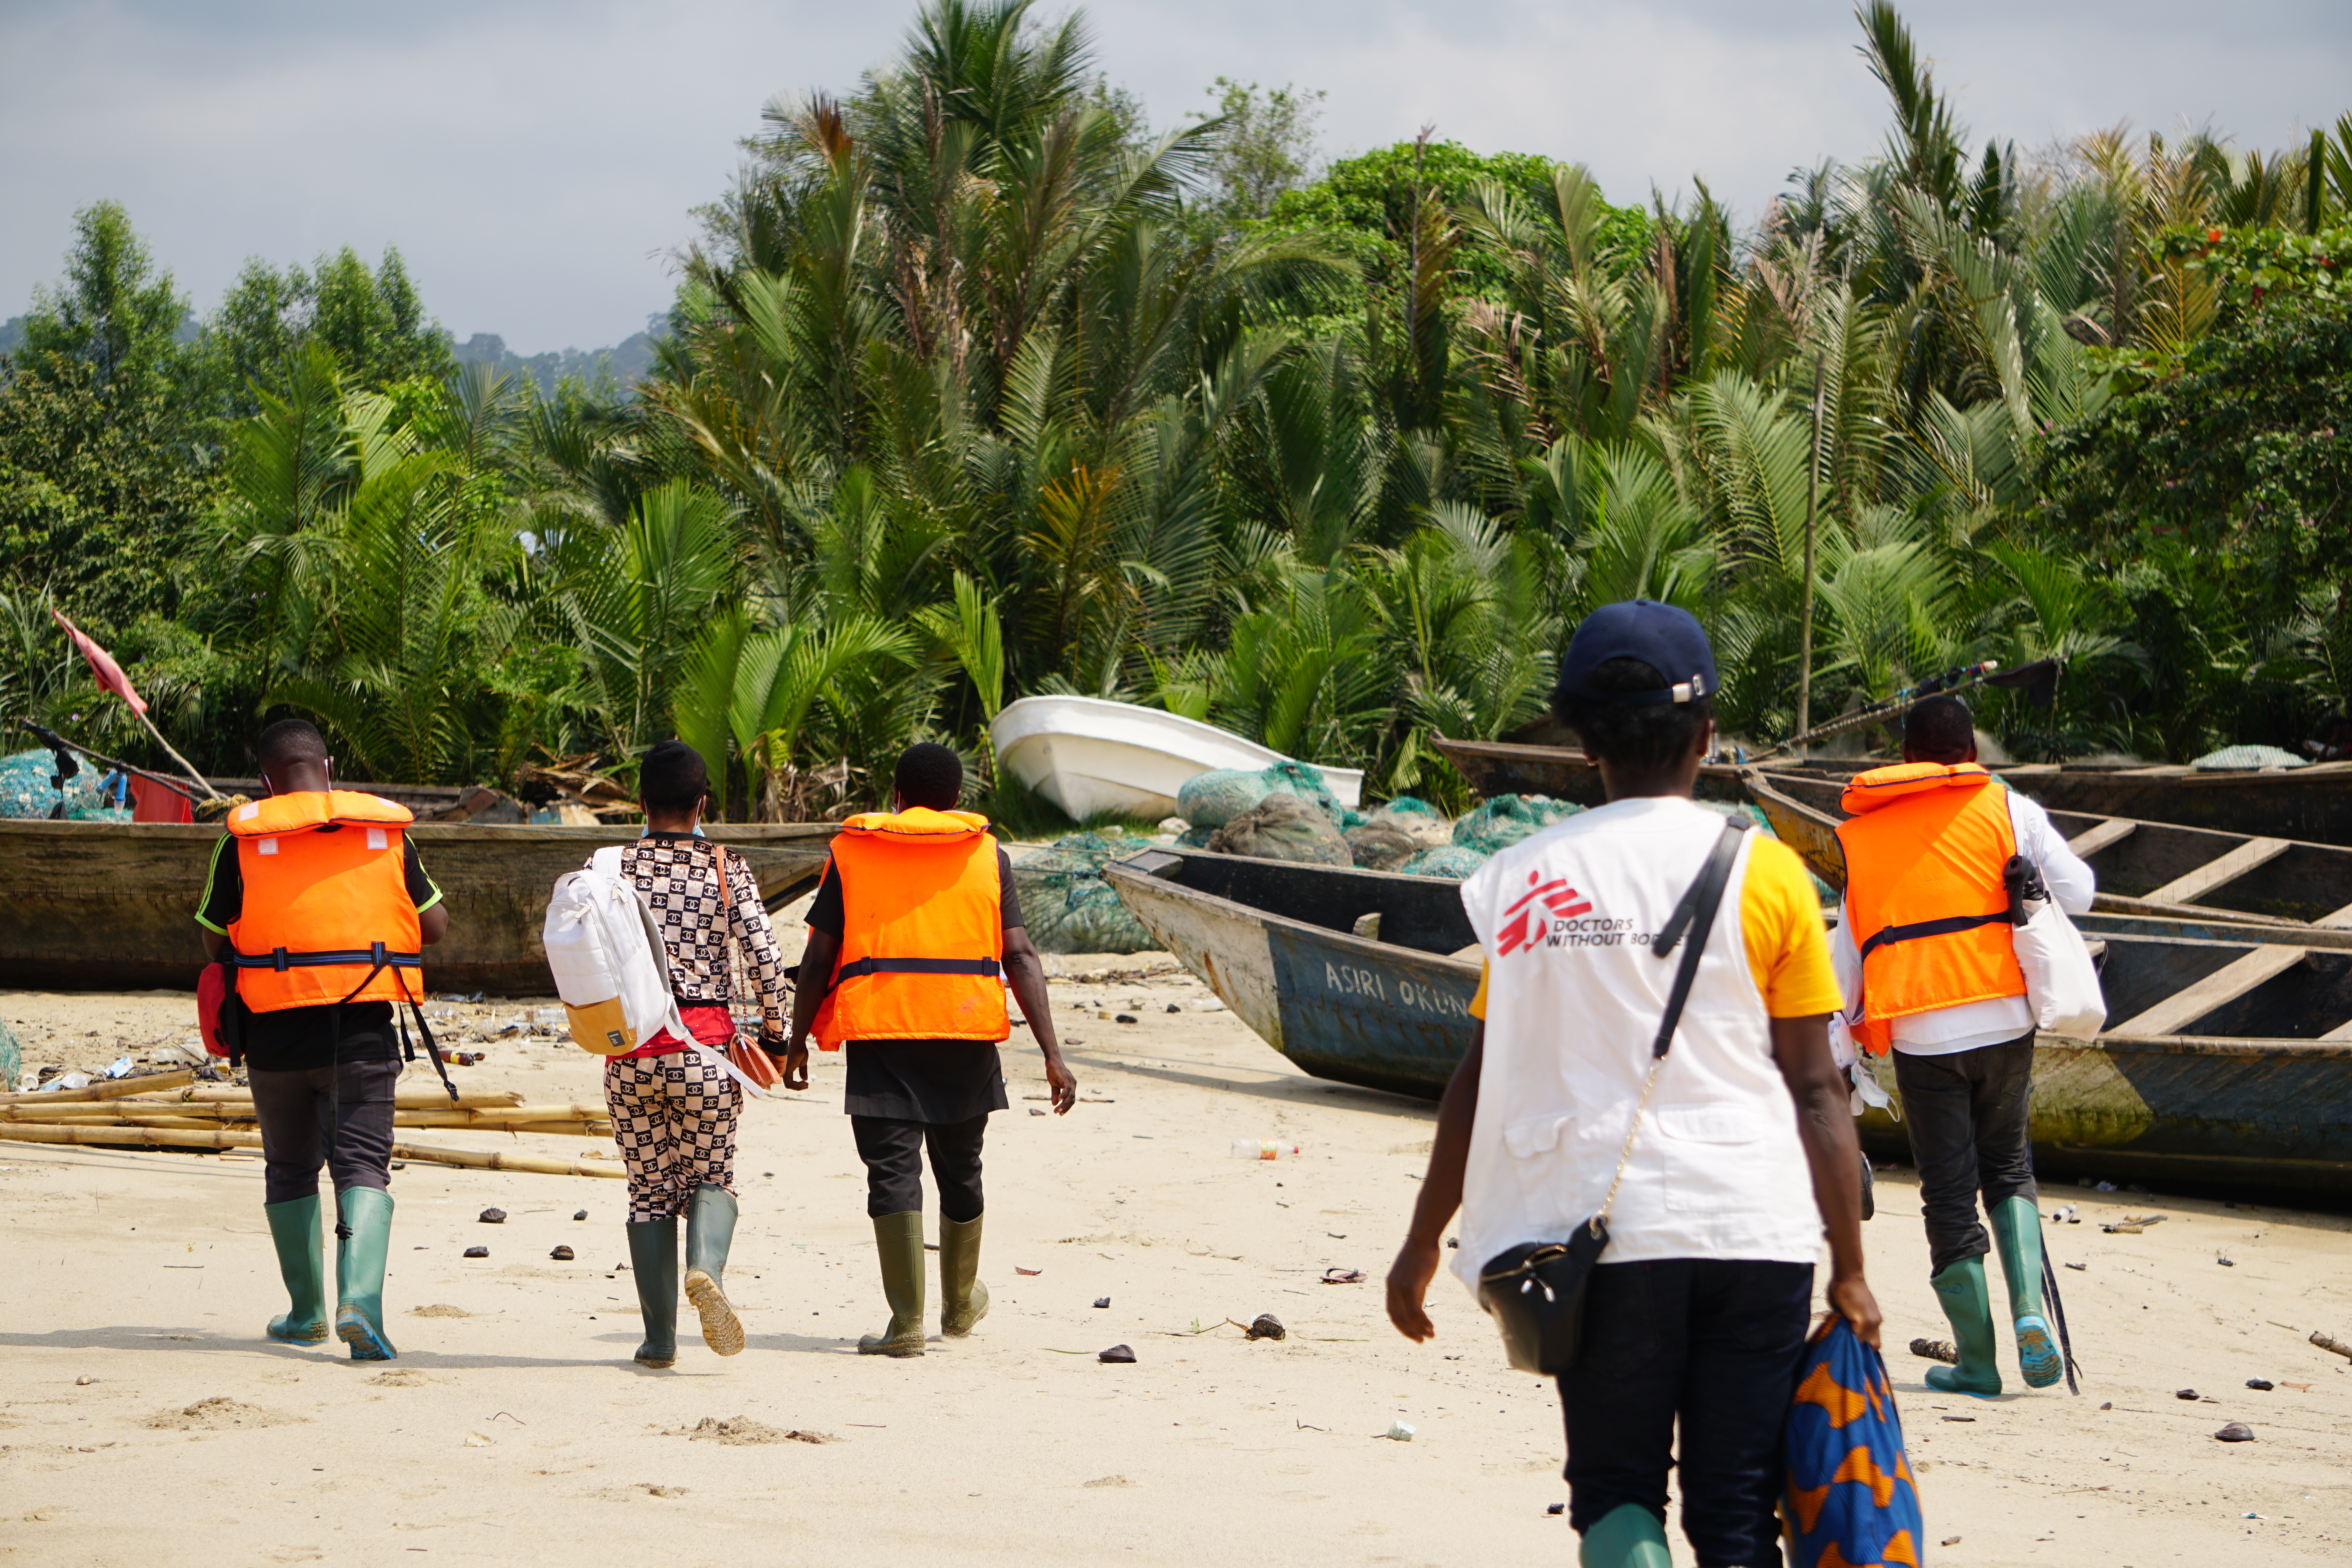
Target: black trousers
(1714, 1342)
(1967, 1115)
(299, 1112)
(893, 1153)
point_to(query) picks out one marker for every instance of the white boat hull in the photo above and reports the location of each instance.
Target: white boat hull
(1090, 755)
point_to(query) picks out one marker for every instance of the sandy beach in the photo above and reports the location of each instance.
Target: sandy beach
(145, 1419)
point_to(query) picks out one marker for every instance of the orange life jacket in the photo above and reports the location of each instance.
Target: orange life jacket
(326, 916)
(1925, 847)
(922, 936)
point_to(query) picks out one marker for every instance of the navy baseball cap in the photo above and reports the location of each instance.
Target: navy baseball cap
(1669, 640)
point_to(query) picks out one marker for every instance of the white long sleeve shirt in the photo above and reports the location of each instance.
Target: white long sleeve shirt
(1946, 1030)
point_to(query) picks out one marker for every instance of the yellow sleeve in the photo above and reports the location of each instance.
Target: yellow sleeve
(1788, 946)
(1478, 1003)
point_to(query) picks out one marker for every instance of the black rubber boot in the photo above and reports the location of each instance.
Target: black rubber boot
(653, 1258)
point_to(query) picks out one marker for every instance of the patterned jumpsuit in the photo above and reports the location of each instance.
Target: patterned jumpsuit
(673, 1110)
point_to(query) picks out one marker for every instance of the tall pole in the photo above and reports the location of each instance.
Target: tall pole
(1805, 614)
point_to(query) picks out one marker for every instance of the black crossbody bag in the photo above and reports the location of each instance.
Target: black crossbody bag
(1535, 1291)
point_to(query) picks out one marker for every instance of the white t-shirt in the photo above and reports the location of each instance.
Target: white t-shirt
(1572, 1003)
(1949, 1030)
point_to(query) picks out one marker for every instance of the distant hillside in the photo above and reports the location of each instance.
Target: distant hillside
(625, 361)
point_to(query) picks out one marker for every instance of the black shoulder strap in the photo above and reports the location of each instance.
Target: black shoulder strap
(1694, 917)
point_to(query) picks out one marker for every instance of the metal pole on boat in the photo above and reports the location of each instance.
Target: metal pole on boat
(1805, 614)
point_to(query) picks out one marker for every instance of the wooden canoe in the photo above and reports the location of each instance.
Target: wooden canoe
(94, 906)
(2309, 804)
(2229, 1064)
(2144, 867)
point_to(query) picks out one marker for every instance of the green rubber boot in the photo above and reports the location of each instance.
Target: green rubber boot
(964, 1299)
(303, 1264)
(359, 1273)
(1628, 1536)
(2017, 1232)
(653, 1258)
(1961, 1290)
(709, 1230)
(899, 1239)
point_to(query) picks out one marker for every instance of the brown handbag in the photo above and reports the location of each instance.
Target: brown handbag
(745, 1055)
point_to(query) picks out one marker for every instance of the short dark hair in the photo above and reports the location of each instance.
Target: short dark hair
(1940, 729)
(1636, 735)
(290, 741)
(930, 775)
(672, 777)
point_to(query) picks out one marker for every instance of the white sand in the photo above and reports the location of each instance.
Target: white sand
(521, 1433)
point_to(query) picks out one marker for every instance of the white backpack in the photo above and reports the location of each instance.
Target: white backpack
(611, 969)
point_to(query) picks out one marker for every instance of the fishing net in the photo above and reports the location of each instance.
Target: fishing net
(1423, 823)
(1213, 799)
(1376, 846)
(12, 1060)
(2232, 758)
(1507, 818)
(1284, 827)
(1449, 862)
(26, 790)
(1068, 906)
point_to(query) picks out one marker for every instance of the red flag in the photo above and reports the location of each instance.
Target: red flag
(101, 665)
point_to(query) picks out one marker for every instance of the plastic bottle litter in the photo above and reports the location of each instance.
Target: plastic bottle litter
(67, 1080)
(118, 1067)
(1261, 1149)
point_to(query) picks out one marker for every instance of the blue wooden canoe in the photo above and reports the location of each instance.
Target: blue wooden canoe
(2223, 1067)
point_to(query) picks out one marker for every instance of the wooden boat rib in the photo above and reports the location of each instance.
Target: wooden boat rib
(1090, 755)
(108, 905)
(2230, 1066)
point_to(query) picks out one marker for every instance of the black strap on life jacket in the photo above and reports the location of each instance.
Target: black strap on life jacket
(280, 960)
(989, 967)
(1948, 926)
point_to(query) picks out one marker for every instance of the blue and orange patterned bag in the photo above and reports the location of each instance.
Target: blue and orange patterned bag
(1850, 1500)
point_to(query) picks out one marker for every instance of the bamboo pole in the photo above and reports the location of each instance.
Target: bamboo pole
(70, 1116)
(179, 1138)
(118, 1089)
(405, 1099)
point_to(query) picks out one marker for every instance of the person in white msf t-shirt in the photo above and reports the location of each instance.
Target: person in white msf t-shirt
(1695, 1320)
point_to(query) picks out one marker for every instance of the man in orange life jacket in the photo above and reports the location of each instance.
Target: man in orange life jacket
(1922, 952)
(913, 936)
(318, 895)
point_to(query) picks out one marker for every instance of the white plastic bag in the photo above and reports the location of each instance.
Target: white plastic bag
(2061, 982)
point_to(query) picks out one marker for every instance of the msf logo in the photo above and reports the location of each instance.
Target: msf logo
(1528, 921)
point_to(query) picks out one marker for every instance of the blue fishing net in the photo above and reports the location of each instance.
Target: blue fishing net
(1068, 906)
(1507, 818)
(25, 790)
(1214, 798)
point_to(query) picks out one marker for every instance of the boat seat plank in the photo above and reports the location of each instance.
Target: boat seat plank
(2177, 1012)
(2339, 921)
(2341, 1031)
(2221, 869)
(2114, 830)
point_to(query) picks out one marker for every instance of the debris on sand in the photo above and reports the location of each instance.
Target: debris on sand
(2236, 1431)
(218, 1415)
(478, 1252)
(1121, 1354)
(1267, 1325)
(494, 1217)
(740, 1430)
(1937, 1350)
(439, 1310)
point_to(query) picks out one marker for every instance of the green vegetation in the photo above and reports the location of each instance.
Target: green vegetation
(977, 387)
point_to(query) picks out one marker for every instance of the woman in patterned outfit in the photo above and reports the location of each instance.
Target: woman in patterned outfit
(673, 1109)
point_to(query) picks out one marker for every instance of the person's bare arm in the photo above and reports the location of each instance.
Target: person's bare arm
(1026, 973)
(1825, 1124)
(213, 944)
(1441, 1194)
(433, 924)
(816, 979)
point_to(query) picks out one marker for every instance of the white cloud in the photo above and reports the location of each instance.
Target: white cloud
(532, 159)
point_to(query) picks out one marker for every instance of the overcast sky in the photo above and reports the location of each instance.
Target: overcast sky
(534, 160)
